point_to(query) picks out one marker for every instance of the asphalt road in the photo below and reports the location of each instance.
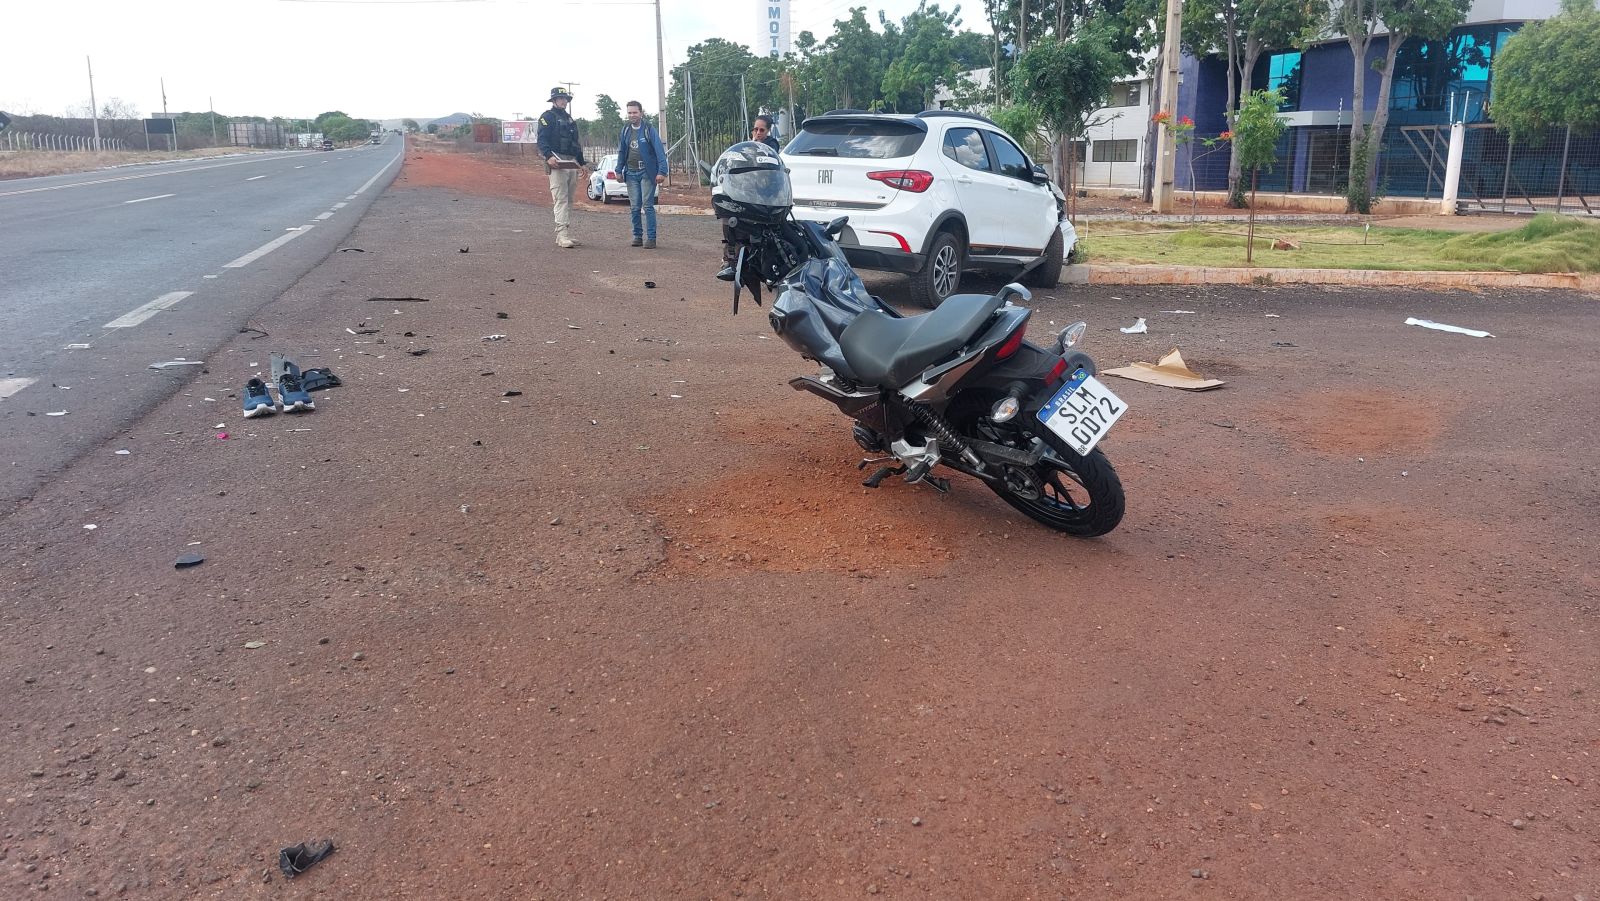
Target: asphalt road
(104, 274)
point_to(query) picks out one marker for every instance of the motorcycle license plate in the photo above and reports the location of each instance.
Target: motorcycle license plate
(1082, 411)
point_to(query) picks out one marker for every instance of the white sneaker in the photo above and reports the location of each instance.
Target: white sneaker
(566, 242)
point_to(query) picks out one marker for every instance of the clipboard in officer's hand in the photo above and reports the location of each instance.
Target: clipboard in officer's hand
(563, 162)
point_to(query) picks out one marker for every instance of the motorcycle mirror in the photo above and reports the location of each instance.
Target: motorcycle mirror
(1014, 290)
(836, 227)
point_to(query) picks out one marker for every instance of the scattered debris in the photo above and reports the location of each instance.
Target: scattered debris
(57, 413)
(502, 315)
(123, 453)
(494, 337)
(1284, 344)
(576, 328)
(90, 527)
(1138, 328)
(318, 378)
(170, 364)
(419, 351)
(511, 394)
(1169, 372)
(1175, 311)
(1441, 327)
(351, 250)
(259, 332)
(222, 436)
(188, 560)
(398, 300)
(465, 250)
(255, 645)
(649, 284)
(296, 859)
(77, 347)
(363, 331)
(1284, 244)
(1273, 316)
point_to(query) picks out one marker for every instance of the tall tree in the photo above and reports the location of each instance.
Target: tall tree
(1361, 20)
(1545, 74)
(610, 114)
(1066, 81)
(924, 58)
(1256, 27)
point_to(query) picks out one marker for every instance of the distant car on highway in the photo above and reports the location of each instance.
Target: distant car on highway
(327, 144)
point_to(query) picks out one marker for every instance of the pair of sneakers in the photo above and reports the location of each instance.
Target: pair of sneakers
(258, 399)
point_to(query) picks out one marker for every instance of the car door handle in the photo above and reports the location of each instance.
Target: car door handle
(963, 181)
(1012, 188)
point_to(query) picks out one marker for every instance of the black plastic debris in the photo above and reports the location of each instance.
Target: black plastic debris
(319, 378)
(465, 250)
(398, 300)
(296, 859)
(502, 315)
(511, 394)
(188, 560)
(419, 351)
(510, 279)
(255, 333)
(649, 284)
(352, 250)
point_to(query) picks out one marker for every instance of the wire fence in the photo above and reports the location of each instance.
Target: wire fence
(18, 141)
(1556, 170)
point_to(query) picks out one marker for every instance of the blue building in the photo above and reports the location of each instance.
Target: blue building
(1436, 82)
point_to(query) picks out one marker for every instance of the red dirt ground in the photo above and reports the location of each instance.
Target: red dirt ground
(595, 640)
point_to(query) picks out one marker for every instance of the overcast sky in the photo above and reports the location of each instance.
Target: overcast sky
(373, 59)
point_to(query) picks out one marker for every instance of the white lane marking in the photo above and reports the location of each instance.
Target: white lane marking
(254, 177)
(80, 346)
(350, 197)
(374, 178)
(299, 167)
(143, 199)
(328, 215)
(266, 248)
(339, 206)
(140, 314)
(102, 181)
(9, 387)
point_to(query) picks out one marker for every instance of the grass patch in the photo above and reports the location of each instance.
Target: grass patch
(1547, 243)
(32, 163)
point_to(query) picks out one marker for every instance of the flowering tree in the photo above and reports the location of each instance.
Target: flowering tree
(1256, 130)
(1183, 133)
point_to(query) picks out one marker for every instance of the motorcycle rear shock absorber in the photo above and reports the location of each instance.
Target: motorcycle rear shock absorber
(948, 436)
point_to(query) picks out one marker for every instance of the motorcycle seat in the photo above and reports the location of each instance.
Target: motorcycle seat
(889, 352)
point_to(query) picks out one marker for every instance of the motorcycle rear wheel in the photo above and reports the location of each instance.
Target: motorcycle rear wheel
(1083, 499)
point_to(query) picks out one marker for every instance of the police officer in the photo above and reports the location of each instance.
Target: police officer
(558, 142)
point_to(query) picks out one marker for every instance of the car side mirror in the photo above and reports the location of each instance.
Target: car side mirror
(1040, 177)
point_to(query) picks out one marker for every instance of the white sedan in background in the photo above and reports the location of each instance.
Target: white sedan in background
(606, 183)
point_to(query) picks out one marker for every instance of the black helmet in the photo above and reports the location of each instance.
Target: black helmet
(749, 182)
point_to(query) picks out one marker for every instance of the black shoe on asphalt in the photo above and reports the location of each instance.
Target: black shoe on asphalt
(636, 242)
(726, 274)
(649, 243)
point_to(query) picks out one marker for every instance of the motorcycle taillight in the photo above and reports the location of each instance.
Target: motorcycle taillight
(1012, 345)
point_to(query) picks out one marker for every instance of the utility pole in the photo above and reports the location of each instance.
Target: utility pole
(212, 103)
(1167, 138)
(661, 91)
(744, 104)
(94, 111)
(174, 145)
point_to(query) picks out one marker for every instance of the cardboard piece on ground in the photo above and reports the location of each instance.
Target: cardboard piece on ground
(1168, 372)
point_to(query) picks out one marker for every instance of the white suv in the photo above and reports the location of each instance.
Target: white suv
(929, 195)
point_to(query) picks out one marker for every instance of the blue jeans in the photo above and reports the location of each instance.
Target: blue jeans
(642, 194)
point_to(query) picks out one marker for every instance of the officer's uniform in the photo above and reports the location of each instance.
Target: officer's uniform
(558, 134)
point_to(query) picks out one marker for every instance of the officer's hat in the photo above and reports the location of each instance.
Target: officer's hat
(559, 91)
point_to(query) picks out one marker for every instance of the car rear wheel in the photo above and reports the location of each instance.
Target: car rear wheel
(941, 272)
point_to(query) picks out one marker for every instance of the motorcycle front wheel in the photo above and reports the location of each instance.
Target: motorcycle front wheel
(1075, 494)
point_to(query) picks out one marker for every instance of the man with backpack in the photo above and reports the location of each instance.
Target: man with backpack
(642, 165)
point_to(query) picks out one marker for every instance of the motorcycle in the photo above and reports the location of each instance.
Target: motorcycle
(958, 387)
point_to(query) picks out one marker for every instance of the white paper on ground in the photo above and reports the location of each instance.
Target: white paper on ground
(1138, 328)
(1439, 326)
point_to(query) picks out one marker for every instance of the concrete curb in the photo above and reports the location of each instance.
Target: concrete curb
(1129, 274)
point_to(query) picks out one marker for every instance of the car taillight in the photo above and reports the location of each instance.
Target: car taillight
(611, 176)
(913, 180)
(1012, 345)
